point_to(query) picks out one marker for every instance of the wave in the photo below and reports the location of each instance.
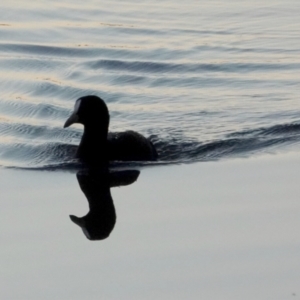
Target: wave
(234, 144)
(160, 67)
(60, 156)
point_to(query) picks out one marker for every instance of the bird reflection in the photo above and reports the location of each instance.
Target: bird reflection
(99, 222)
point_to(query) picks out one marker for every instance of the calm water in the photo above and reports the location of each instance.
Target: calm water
(203, 80)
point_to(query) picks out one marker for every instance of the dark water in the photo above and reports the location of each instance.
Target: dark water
(203, 80)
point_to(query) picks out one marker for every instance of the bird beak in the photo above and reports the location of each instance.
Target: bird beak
(72, 119)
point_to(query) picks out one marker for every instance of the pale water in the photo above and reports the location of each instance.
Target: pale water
(204, 80)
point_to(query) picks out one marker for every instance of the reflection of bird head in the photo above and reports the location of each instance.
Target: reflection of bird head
(89, 110)
(80, 222)
(98, 223)
(94, 227)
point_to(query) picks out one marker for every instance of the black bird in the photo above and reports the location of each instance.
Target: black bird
(99, 146)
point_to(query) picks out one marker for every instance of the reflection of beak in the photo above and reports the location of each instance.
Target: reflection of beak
(79, 221)
(72, 119)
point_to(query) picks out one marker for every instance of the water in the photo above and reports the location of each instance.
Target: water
(203, 80)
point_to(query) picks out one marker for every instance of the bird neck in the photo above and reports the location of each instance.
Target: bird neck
(93, 145)
(95, 132)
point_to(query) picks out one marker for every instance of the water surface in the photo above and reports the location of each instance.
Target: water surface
(203, 80)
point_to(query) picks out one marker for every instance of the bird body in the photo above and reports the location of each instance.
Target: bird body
(130, 146)
(99, 146)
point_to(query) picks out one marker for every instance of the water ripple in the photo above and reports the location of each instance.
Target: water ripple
(202, 86)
